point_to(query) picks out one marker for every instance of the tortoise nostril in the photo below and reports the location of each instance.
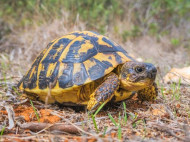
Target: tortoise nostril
(154, 70)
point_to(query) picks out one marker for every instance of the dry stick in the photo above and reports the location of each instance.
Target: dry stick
(11, 116)
(42, 129)
(21, 102)
(73, 124)
(26, 137)
(48, 94)
(18, 137)
(44, 126)
(51, 85)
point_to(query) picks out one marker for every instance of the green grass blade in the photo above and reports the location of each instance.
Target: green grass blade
(112, 119)
(162, 92)
(94, 122)
(125, 113)
(105, 129)
(99, 109)
(94, 115)
(119, 132)
(179, 83)
(119, 128)
(15, 90)
(2, 131)
(37, 116)
(134, 125)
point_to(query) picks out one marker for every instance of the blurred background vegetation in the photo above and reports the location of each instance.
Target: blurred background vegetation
(155, 31)
(154, 17)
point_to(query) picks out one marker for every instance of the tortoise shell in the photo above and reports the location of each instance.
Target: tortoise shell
(73, 60)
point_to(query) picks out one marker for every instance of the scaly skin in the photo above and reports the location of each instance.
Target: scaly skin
(104, 92)
(149, 93)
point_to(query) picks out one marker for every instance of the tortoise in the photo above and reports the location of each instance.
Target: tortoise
(86, 68)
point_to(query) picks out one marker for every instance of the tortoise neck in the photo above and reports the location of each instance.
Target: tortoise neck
(118, 69)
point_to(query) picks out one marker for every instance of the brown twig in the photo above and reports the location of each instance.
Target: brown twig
(35, 127)
(77, 127)
(11, 116)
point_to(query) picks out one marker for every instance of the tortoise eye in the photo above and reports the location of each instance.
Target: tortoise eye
(139, 69)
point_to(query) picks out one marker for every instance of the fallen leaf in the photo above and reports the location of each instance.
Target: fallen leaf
(159, 112)
(178, 105)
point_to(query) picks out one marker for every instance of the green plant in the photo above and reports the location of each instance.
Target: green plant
(175, 42)
(36, 113)
(162, 92)
(125, 113)
(97, 13)
(16, 91)
(145, 130)
(134, 32)
(105, 129)
(119, 131)
(136, 123)
(134, 117)
(170, 10)
(94, 122)
(2, 130)
(157, 17)
(112, 119)
(93, 116)
(176, 90)
(153, 28)
(125, 35)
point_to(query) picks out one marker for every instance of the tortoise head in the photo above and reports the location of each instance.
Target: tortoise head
(137, 75)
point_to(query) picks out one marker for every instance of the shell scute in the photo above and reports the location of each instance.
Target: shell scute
(65, 79)
(79, 74)
(98, 69)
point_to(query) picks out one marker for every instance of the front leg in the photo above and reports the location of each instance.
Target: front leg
(104, 92)
(148, 94)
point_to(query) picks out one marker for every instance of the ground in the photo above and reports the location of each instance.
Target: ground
(165, 119)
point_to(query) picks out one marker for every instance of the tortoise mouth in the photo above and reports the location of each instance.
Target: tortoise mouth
(150, 77)
(135, 86)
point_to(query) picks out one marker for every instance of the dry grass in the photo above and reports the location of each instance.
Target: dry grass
(166, 119)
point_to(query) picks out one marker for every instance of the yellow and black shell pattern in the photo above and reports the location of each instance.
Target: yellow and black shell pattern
(73, 60)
